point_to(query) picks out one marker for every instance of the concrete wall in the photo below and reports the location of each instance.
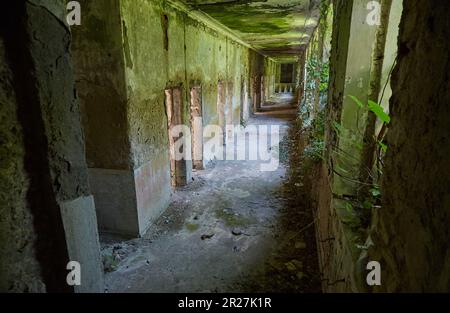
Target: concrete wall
(100, 79)
(49, 219)
(19, 268)
(145, 48)
(410, 232)
(357, 76)
(390, 54)
(270, 73)
(340, 231)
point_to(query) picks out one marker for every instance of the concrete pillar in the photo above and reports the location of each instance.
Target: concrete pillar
(263, 90)
(221, 100)
(130, 185)
(349, 75)
(50, 219)
(180, 169)
(197, 127)
(229, 110)
(245, 106)
(354, 75)
(256, 93)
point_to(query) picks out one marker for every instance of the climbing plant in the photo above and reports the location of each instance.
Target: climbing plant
(314, 149)
(317, 80)
(359, 208)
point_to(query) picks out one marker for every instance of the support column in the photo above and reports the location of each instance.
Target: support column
(246, 108)
(229, 110)
(179, 143)
(256, 93)
(221, 100)
(52, 218)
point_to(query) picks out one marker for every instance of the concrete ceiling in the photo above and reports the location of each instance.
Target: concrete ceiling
(276, 28)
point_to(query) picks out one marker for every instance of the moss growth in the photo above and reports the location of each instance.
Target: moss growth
(254, 18)
(247, 19)
(192, 227)
(231, 219)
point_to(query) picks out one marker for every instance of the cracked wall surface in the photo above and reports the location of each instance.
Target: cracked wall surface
(130, 53)
(341, 240)
(410, 231)
(48, 145)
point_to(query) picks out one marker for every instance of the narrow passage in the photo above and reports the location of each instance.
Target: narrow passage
(235, 228)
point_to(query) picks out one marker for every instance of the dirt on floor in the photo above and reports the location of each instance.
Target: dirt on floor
(235, 228)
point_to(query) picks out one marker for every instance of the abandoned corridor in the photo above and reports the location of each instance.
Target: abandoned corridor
(235, 228)
(116, 115)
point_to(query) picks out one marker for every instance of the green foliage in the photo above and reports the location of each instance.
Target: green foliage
(243, 122)
(379, 111)
(358, 212)
(375, 108)
(324, 77)
(359, 208)
(382, 146)
(314, 150)
(324, 10)
(358, 102)
(317, 70)
(375, 191)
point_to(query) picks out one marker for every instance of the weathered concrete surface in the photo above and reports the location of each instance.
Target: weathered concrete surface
(411, 230)
(115, 200)
(351, 51)
(100, 80)
(278, 28)
(80, 225)
(224, 232)
(357, 74)
(37, 51)
(150, 180)
(19, 269)
(99, 72)
(121, 89)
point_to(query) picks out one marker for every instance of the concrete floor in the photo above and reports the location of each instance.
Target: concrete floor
(225, 232)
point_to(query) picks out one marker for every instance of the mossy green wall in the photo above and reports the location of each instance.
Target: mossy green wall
(127, 54)
(196, 54)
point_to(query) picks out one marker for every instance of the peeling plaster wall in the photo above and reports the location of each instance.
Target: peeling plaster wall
(167, 48)
(127, 54)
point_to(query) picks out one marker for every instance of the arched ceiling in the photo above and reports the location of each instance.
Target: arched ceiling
(276, 28)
